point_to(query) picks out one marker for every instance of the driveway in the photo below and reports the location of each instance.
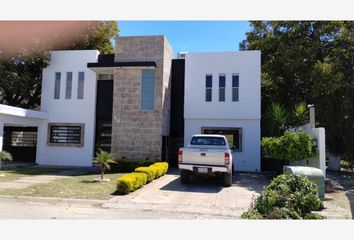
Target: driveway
(204, 195)
(164, 198)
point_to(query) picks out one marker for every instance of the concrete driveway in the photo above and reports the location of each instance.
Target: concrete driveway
(204, 195)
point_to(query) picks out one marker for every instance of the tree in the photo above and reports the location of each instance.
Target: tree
(104, 159)
(21, 71)
(299, 115)
(310, 62)
(5, 156)
(278, 118)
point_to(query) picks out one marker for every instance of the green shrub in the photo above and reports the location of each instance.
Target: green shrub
(126, 166)
(142, 175)
(131, 182)
(162, 168)
(288, 196)
(154, 171)
(293, 146)
(149, 171)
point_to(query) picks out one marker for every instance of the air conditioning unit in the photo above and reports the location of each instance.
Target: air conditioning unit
(181, 55)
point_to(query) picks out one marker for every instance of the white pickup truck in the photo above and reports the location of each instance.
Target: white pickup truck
(206, 154)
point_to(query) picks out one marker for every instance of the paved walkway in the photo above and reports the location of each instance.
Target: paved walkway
(202, 196)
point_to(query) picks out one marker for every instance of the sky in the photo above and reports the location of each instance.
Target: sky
(191, 36)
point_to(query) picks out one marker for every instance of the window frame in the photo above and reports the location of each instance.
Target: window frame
(235, 88)
(222, 88)
(82, 133)
(57, 83)
(141, 91)
(227, 131)
(208, 89)
(80, 94)
(69, 85)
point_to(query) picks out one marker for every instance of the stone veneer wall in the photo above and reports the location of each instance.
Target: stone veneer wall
(137, 134)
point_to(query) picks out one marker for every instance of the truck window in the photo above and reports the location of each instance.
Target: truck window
(215, 141)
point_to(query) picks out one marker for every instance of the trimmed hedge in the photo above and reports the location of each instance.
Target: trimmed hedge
(142, 175)
(154, 171)
(293, 146)
(127, 166)
(131, 182)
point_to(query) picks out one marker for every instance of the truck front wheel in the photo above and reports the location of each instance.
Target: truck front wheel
(228, 179)
(184, 176)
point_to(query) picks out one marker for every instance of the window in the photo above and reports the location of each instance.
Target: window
(65, 134)
(57, 85)
(222, 87)
(148, 89)
(215, 141)
(235, 87)
(69, 83)
(80, 85)
(208, 88)
(233, 135)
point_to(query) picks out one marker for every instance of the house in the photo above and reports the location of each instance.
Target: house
(138, 103)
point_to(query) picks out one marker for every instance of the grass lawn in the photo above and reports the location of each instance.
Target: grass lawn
(16, 173)
(80, 187)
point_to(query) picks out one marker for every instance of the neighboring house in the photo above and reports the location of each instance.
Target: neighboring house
(138, 103)
(222, 96)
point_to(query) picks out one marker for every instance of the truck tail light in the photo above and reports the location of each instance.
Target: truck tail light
(180, 155)
(227, 158)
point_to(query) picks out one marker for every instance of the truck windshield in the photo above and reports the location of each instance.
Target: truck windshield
(216, 141)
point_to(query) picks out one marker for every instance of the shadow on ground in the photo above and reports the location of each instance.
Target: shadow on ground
(346, 180)
(213, 184)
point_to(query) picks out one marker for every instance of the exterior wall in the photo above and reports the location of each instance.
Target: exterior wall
(68, 110)
(137, 134)
(246, 63)
(246, 160)
(244, 113)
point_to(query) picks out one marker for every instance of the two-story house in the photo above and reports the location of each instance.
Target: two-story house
(138, 103)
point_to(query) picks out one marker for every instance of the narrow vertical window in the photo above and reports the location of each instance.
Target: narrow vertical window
(222, 87)
(208, 88)
(57, 85)
(235, 87)
(80, 85)
(69, 83)
(147, 89)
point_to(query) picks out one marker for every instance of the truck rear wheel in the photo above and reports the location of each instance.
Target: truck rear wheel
(228, 179)
(184, 176)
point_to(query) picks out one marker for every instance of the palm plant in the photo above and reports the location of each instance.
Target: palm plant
(300, 114)
(278, 117)
(5, 156)
(104, 158)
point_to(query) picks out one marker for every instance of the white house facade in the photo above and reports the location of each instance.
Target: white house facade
(222, 96)
(138, 103)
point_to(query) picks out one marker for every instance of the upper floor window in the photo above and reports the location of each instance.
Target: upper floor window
(80, 85)
(147, 89)
(235, 87)
(208, 87)
(222, 82)
(57, 85)
(69, 83)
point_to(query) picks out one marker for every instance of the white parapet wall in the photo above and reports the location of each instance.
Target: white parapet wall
(320, 135)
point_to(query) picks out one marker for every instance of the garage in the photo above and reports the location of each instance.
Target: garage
(19, 132)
